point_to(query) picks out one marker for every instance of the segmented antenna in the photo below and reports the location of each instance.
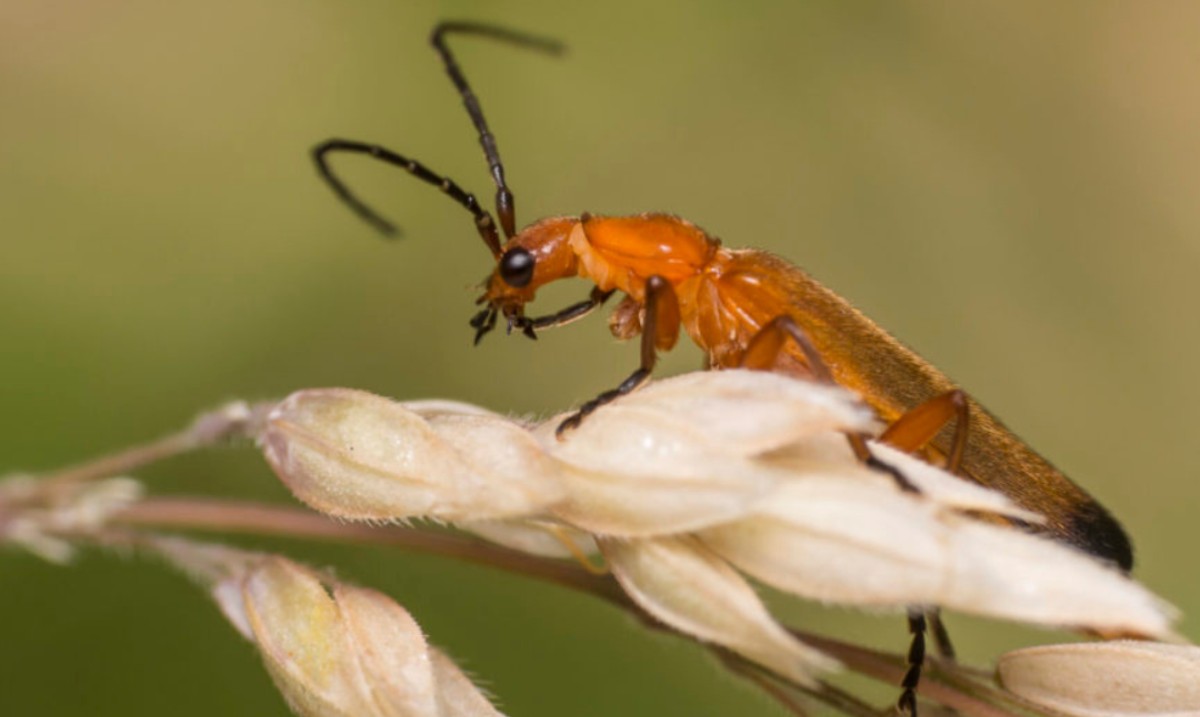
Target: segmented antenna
(484, 223)
(505, 208)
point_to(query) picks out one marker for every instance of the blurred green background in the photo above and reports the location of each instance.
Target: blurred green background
(1008, 187)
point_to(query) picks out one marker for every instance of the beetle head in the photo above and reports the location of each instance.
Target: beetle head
(539, 254)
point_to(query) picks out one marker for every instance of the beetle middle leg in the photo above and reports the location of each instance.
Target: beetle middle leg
(762, 352)
(570, 314)
(909, 433)
(660, 329)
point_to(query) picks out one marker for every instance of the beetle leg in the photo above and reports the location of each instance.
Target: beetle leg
(766, 346)
(660, 329)
(916, 660)
(912, 431)
(761, 353)
(574, 312)
(941, 637)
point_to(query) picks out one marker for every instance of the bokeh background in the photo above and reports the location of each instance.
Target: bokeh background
(1010, 187)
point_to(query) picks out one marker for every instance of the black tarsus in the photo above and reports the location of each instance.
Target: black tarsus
(505, 208)
(629, 385)
(907, 704)
(656, 286)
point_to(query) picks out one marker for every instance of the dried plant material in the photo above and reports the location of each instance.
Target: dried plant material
(864, 542)
(950, 491)
(354, 455)
(679, 582)
(754, 463)
(1005, 572)
(305, 643)
(828, 454)
(736, 411)
(236, 418)
(456, 695)
(684, 453)
(335, 649)
(536, 537)
(1107, 679)
(838, 540)
(46, 520)
(636, 498)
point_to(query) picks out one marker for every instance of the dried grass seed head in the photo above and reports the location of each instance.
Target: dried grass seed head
(1107, 679)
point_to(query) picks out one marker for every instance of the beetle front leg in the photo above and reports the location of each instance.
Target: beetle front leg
(574, 312)
(660, 329)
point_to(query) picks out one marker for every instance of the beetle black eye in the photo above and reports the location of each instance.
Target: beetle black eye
(516, 267)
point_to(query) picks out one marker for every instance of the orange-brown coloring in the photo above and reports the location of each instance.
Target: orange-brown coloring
(725, 297)
(743, 308)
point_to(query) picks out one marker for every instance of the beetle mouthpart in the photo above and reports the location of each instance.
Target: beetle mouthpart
(484, 322)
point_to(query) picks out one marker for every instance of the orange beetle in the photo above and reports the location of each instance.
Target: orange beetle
(744, 308)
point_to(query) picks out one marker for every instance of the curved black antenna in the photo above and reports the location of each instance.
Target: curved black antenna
(484, 224)
(504, 197)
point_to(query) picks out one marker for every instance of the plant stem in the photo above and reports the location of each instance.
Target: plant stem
(889, 668)
(229, 421)
(218, 515)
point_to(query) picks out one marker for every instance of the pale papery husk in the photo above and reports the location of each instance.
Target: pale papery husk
(740, 412)
(392, 649)
(950, 491)
(754, 463)
(543, 538)
(864, 542)
(685, 453)
(335, 649)
(685, 586)
(1107, 679)
(305, 646)
(457, 695)
(354, 455)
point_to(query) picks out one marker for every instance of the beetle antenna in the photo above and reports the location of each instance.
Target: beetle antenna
(504, 197)
(484, 223)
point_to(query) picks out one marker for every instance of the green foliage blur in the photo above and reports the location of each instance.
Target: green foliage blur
(1008, 187)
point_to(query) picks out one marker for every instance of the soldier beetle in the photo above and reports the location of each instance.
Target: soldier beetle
(744, 308)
